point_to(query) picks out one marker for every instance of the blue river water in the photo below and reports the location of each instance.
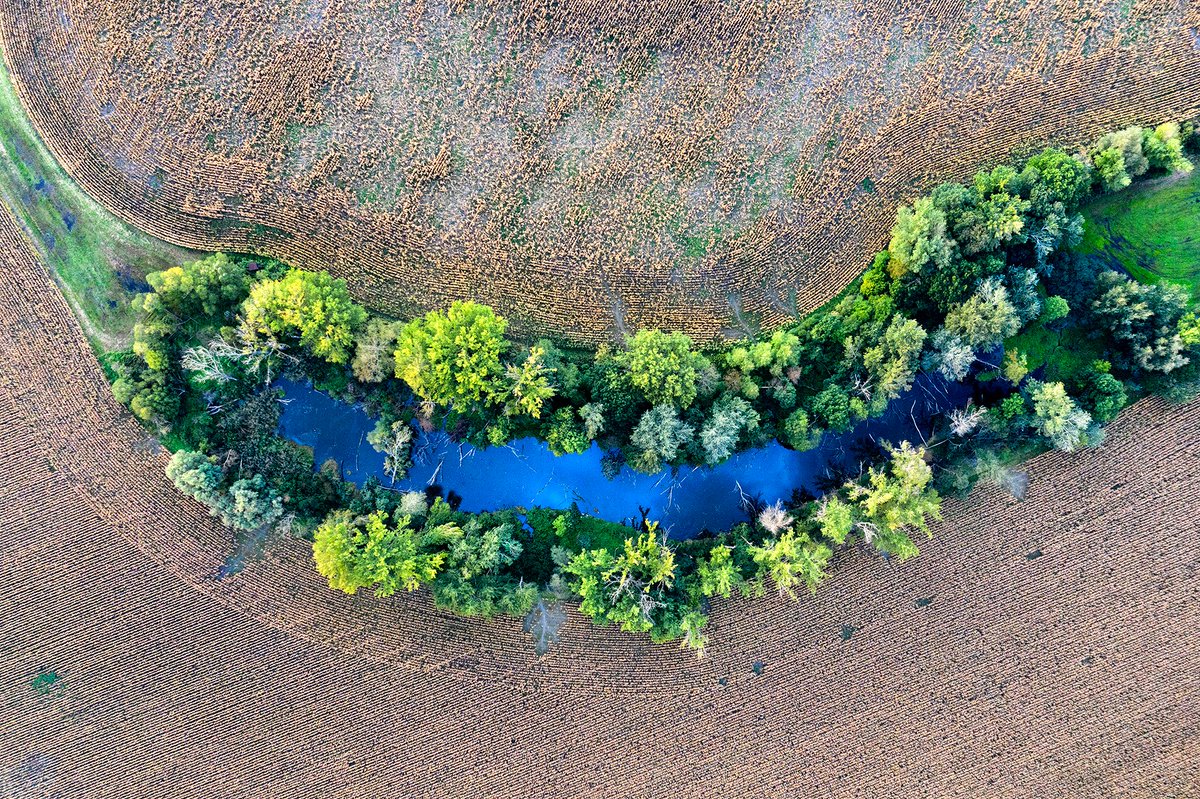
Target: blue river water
(526, 474)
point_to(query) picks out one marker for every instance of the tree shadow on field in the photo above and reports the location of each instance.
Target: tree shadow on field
(251, 547)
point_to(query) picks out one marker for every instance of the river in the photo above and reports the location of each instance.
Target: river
(685, 501)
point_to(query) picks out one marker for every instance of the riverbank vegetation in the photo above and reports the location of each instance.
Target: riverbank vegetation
(983, 281)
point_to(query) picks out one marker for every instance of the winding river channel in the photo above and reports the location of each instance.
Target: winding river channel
(685, 501)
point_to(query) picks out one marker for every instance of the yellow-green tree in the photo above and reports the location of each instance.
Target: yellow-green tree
(354, 553)
(664, 367)
(790, 560)
(896, 500)
(453, 357)
(625, 588)
(311, 307)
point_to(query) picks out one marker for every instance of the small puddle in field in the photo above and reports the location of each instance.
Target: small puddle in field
(526, 474)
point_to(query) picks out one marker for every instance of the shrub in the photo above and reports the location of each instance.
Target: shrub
(454, 356)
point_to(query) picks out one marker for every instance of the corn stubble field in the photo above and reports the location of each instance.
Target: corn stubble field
(585, 166)
(1040, 648)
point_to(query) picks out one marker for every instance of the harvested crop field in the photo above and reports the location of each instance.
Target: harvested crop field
(1030, 651)
(584, 167)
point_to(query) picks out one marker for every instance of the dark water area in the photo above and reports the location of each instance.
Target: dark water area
(686, 501)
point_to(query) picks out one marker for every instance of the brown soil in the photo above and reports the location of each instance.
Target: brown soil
(584, 165)
(981, 669)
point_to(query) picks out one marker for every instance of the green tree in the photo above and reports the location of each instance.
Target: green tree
(1103, 393)
(731, 418)
(529, 385)
(472, 583)
(1054, 176)
(337, 551)
(1057, 417)
(835, 519)
(564, 433)
(948, 355)
(453, 357)
(627, 588)
(892, 362)
(895, 501)
(717, 574)
(249, 505)
(663, 367)
(1163, 148)
(611, 387)
(487, 596)
(790, 560)
(775, 354)
(149, 396)
(196, 475)
(207, 287)
(1053, 309)
(658, 439)
(481, 550)
(919, 241)
(357, 552)
(394, 440)
(800, 434)
(832, 406)
(985, 319)
(1118, 157)
(1015, 366)
(373, 351)
(592, 415)
(1143, 322)
(311, 307)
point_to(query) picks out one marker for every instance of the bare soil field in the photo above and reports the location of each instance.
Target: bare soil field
(586, 167)
(1041, 648)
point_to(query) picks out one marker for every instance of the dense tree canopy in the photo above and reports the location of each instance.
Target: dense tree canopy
(895, 501)
(454, 357)
(627, 588)
(1143, 321)
(311, 307)
(663, 367)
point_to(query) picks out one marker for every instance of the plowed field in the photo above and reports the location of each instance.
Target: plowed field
(1044, 648)
(587, 166)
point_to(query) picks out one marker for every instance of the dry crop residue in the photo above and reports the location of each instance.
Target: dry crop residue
(584, 166)
(975, 670)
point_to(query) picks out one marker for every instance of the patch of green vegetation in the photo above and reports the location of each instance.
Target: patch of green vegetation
(1067, 351)
(703, 242)
(1152, 231)
(98, 260)
(260, 231)
(47, 683)
(695, 246)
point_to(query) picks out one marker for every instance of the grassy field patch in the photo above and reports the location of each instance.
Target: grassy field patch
(1152, 231)
(98, 260)
(1066, 351)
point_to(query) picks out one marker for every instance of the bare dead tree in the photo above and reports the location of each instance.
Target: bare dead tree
(775, 519)
(964, 421)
